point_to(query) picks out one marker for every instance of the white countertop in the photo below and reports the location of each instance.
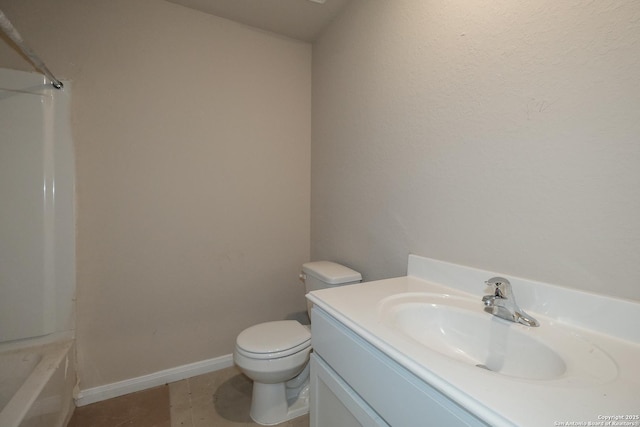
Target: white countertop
(497, 399)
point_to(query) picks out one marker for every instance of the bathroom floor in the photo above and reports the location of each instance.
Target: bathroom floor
(218, 399)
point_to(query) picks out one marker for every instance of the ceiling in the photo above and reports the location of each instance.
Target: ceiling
(299, 19)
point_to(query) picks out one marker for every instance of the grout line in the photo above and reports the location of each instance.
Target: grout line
(190, 403)
(175, 420)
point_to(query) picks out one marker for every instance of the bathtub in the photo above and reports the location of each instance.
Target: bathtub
(36, 383)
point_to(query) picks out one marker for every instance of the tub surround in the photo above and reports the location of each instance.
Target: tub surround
(607, 325)
(37, 220)
(42, 395)
(37, 252)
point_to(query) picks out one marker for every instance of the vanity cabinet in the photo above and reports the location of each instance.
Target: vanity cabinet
(355, 384)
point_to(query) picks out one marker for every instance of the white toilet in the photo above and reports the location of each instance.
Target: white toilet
(275, 355)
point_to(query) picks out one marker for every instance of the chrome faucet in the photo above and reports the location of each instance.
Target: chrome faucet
(503, 303)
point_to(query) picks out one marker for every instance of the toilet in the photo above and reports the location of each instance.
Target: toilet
(275, 355)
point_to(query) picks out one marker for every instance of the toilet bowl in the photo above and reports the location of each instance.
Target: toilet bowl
(275, 355)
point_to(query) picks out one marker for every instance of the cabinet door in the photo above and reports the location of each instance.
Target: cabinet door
(398, 396)
(334, 403)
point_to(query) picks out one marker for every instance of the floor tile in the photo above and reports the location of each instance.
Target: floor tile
(180, 404)
(220, 399)
(148, 408)
(217, 399)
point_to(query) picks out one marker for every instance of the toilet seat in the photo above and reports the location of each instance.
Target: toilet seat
(272, 340)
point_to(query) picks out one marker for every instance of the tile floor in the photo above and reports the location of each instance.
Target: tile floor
(218, 399)
(149, 408)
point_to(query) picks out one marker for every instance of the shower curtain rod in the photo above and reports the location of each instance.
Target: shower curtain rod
(14, 35)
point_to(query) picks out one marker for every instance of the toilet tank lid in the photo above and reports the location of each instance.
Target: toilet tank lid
(331, 272)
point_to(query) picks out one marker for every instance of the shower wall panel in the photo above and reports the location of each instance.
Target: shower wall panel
(36, 208)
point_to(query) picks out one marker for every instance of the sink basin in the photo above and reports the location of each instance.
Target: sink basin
(459, 329)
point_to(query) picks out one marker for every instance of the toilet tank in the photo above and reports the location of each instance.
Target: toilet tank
(326, 274)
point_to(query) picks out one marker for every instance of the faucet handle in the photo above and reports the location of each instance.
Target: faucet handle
(497, 281)
(503, 286)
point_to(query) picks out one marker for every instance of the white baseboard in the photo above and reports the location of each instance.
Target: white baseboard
(108, 391)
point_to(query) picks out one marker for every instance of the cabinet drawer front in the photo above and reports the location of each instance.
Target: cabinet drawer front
(397, 395)
(334, 403)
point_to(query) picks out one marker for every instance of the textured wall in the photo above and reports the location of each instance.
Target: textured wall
(501, 135)
(192, 148)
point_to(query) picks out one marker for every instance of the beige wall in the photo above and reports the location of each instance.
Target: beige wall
(192, 139)
(502, 135)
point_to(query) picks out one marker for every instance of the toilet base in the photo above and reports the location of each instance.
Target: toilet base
(275, 403)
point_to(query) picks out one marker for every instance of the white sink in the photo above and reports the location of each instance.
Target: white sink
(580, 364)
(460, 329)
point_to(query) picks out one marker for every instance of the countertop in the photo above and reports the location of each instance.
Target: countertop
(598, 399)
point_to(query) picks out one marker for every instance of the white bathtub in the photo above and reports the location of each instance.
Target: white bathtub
(36, 384)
